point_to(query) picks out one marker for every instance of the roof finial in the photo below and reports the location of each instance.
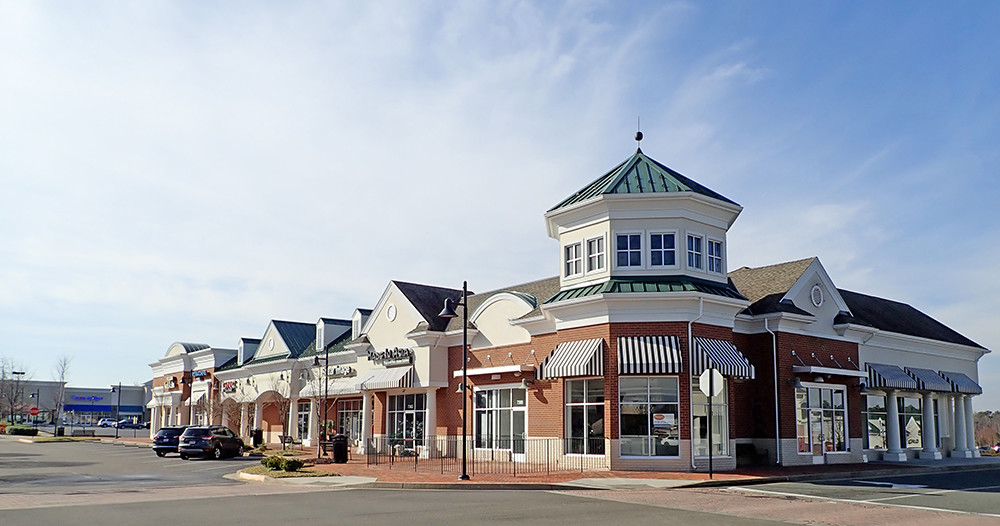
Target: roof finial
(638, 134)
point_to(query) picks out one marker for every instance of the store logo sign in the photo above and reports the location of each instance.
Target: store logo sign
(391, 357)
(229, 386)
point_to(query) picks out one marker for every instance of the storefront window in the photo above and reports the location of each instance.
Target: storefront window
(501, 419)
(649, 416)
(821, 419)
(910, 421)
(874, 437)
(720, 421)
(585, 416)
(349, 419)
(406, 416)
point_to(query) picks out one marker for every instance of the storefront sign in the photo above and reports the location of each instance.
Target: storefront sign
(87, 398)
(341, 371)
(199, 374)
(391, 357)
(229, 386)
(663, 420)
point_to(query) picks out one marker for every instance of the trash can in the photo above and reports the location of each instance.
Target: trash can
(256, 437)
(338, 444)
(60, 431)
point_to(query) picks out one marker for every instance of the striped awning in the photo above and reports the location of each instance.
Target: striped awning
(391, 378)
(928, 380)
(578, 358)
(961, 383)
(882, 375)
(649, 355)
(722, 355)
(336, 387)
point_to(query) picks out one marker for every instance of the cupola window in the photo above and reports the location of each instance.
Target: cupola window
(628, 250)
(695, 252)
(662, 250)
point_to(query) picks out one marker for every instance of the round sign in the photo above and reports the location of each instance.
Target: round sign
(715, 377)
(33, 411)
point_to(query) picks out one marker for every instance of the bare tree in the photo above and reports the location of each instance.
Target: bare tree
(61, 375)
(13, 376)
(277, 396)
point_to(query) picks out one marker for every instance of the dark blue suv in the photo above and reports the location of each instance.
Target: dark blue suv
(166, 439)
(209, 441)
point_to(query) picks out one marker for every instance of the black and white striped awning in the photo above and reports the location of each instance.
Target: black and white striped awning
(649, 355)
(961, 383)
(928, 380)
(722, 355)
(886, 376)
(577, 358)
(391, 378)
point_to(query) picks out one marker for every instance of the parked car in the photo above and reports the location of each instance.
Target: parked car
(127, 424)
(209, 441)
(106, 422)
(166, 438)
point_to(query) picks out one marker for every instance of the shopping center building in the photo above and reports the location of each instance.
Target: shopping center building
(611, 360)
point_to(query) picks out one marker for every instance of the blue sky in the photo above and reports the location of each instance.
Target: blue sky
(189, 171)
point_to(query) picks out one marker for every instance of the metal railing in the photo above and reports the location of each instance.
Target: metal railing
(519, 456)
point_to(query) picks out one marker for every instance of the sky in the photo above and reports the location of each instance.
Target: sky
(188, 171)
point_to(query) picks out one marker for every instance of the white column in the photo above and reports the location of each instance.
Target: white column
(893, 452)
(225, 417)
(970, 427)
(366, 421)
(315, 415)
(154, 420)
(430, 425)
(961, 449)
(927, 429)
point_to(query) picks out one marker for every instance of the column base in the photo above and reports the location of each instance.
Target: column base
(930, 455)
(894, 456)
(962, 454)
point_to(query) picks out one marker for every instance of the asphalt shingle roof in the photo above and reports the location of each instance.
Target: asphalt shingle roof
(533, 292)
(761, 282)
(639, 174)
(893, 316)
(428, 301)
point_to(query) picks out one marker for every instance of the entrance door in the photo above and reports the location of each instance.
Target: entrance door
(501, 421)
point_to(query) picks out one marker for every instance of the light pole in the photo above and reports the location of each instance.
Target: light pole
(37, 407)
(321, 435)
(449, 312)
(118, 406)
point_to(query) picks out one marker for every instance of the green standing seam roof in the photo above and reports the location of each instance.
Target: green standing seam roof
(646, 285)
(639, 174)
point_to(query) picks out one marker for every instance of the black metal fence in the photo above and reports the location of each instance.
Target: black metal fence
(519, 456)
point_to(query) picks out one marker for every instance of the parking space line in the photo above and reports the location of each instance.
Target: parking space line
(854, 501)
(937, 492)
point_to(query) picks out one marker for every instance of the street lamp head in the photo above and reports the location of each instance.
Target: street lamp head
(449, 309)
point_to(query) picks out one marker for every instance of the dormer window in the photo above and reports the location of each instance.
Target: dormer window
(573, 260)
(695, 252)
(595, 254)
(715, 256)
(662, 250)
(628, 250)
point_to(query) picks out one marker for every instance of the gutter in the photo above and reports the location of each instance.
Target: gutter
(701, 312)
(777, 424)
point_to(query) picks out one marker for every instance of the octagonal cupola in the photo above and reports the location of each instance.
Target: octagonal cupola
(642, 220)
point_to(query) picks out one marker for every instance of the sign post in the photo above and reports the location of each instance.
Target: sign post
(710, 383)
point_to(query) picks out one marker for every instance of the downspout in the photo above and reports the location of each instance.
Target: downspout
(701, 311)
(777, 424)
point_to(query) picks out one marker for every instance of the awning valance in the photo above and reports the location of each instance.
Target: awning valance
(928, 380)
(391, 378)
(577, 358)
(336, 387)
(961, 383)
(886, 376)
(649, 355)
(722, 355)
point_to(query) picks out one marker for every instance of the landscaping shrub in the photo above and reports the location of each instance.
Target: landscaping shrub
(272, 462)
(292, 464)
(22, 430)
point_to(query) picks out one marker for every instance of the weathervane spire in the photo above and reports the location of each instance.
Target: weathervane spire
(638, 135)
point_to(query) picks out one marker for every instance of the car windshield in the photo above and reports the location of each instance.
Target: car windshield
(196, 432)
(169, 432)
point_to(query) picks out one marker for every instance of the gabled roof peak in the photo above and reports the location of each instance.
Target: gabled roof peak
(639, 174)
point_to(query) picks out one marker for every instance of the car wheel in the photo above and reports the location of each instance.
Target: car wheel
(184, 456)
(161, 453)
(217, 453)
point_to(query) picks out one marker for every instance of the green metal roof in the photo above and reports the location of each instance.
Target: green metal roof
(639, 174)
(648, 285)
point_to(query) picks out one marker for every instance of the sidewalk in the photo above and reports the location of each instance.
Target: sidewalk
(430, 475)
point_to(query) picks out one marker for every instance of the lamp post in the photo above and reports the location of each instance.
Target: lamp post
(118, 406)
(16, 392)
(449, 312)
(36, 406)
(321, 435)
